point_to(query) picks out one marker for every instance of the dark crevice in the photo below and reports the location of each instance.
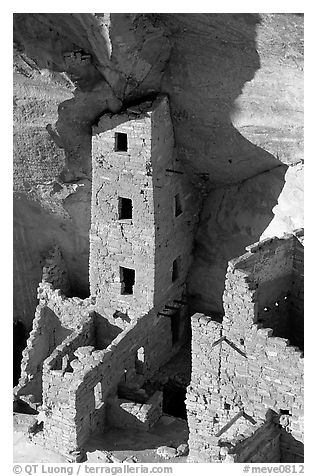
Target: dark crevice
(19, 344)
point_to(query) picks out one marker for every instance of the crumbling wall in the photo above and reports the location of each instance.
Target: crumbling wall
(202, 401)
(55, 271)
(262, 447)
(296, 298)
(268, 267)
(117, 364)
(59, 392)
(46, 334)
(55, 318)
(73, 394)
(123, 413)
(240, 371)
(267, 275)
(229, 377)
(70, 311)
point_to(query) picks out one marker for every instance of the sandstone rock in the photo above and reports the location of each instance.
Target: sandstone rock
(182, 450)
(130, 459)
(166, 452)
(98, 456)
(230, 119)
(83, 352)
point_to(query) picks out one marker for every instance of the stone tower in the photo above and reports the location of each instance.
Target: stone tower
(143, 213)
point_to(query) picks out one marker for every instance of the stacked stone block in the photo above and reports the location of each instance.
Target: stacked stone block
(262, 447)
(123, 413)
(154, 236)
(75, 368)
(103, 334)
(56, 316)
(70, 311)
(254, 373)
(296, 297)
(59, 392)
(203, 399)
(55, 271)
(46, 334)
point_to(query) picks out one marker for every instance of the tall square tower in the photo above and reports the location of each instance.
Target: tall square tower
(144, 211)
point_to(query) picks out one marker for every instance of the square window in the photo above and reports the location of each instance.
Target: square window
(125, 208)
(127, 278)
(121, 142)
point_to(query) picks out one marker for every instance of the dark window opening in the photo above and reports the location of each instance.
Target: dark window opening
(19, 344)
(174, 400)
(175, 326)
(125, 208)
(127, 278)
(178, 205)
(121, 142)
(175, 270)
(227, 406)
(36, 428)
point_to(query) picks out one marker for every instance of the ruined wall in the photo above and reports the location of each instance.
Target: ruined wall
(56, 316)
(55, 271)
(154, 234)
(230, 119)
(268, 267)
(123, 413)
(72, 394)
(296, 298)
(264, 446)
(46, 334)
(268, 277)
(259, 375)
(70, 311)
(240, 372)
(59, 395)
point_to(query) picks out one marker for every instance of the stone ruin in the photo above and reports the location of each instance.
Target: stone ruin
(88, 361)
(245, 399)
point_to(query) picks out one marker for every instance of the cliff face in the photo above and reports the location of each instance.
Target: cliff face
(235, 88)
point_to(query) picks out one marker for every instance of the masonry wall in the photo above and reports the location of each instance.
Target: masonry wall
(173, 234)
(114, 242)
(270, 277)
(70, 311)
(266, 375)
(264, 446)
(46, 334)
(72, 394)
(59, 392)
(241, 373)
(55, 318)
(269, 267)
(154, 237)
(123, 413)
(296, 298)
(55, 271)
